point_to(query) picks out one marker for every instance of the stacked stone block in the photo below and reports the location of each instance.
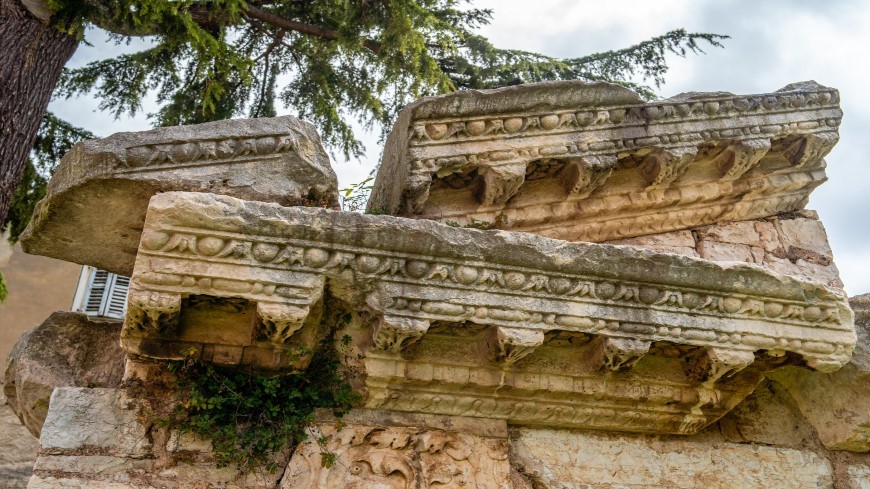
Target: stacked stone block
(648, 306)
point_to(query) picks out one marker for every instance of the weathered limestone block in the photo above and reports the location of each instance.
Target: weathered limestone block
(17, 449)
(106, 419)
(859, 476)
(677, 242)
(67, 349)
(481, 323)
(838, 404)
(95, 204)
(769, 416)
(793, 243)
(103, 438)
(379, 449)
(593, 162)
(587, 460)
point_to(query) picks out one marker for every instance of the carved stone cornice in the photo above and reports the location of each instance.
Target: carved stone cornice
(96, 199)
(575, 161)
(407, 275)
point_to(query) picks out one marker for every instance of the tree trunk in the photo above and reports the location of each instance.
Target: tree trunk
(32, 55)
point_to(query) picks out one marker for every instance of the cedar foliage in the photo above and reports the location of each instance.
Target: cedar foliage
(328, 61)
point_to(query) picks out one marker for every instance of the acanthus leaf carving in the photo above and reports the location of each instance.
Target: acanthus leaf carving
(581, 176)
(396, 334)
(279, 322)
(151, 312)
(661, 167)
(499, 183)
(614, 354)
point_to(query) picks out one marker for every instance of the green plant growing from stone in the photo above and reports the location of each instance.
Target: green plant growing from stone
(251, 417)
(356, 195)
(4, 291)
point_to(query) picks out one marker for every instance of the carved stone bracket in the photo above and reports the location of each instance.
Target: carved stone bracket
(618, 354)
(500, 183)
(738, 158)
(713, 364)
(280, 321)
(582, 176)
(661, 167)
(152, 311)
(397, 334)
(812, 148)
(514, 343)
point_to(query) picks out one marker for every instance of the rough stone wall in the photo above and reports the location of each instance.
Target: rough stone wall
(763, 443)
(793, 244)
(99, 438)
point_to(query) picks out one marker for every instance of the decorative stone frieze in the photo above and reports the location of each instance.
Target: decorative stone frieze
(96, 199)
(593, 162)
(478, 323)
(389, 450)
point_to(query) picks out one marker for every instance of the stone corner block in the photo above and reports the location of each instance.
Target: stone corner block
(94, 420)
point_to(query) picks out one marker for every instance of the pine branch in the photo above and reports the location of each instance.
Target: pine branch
(292, 25)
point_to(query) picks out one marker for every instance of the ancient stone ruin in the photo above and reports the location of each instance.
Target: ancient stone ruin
(556, 285)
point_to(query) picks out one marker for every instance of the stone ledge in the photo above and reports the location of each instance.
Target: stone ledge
(592, 162)
(715, 327)
(96, 200)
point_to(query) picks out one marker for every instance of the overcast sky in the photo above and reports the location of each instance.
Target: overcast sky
(773, 43)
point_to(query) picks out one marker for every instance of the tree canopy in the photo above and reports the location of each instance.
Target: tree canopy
(330, 62)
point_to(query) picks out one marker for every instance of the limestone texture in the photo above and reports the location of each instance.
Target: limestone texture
(837, 404)
(592, 162)
(98, 417)
(17, 449)
(389, 450)
(576, 459)
(67, 349)
(478, 323)
(793, 243)
(95, 204)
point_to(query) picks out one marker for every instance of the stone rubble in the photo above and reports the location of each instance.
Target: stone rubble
(688, 317)
(67, 349)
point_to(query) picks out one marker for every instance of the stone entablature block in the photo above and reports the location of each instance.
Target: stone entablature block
(514, 293)
(96, 200)
(593, 162)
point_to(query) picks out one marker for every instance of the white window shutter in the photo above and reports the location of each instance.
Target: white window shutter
(116, 297)
(101, 293)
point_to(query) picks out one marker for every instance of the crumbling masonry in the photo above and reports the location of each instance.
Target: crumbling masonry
(644, 303)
